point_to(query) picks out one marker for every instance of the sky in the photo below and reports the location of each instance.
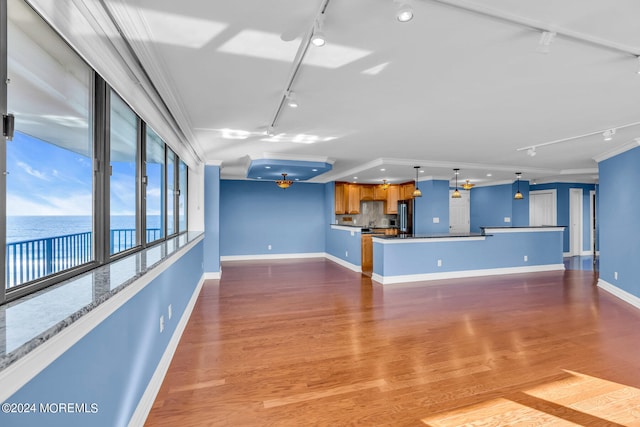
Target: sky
(45, 179)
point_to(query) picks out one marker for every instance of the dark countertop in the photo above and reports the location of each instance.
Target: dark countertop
(434, 236)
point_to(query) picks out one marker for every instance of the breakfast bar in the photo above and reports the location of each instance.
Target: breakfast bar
(497, 250)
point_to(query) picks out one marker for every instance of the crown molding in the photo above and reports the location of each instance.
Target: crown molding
(618, 150)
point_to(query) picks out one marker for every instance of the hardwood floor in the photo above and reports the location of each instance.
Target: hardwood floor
(307, 342)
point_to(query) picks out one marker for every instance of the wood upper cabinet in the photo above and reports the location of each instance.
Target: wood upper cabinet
(379, 193)
(340, 198)
(366, 192)
(393, 194)
(406, 191)
(352, 198)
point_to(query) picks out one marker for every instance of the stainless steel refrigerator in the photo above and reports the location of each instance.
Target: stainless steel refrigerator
(405, 216)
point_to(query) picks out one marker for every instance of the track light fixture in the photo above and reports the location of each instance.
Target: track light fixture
(531, 152)
(404, 12)
(318, 38)
(292, 100)
(456, 194)
(608, 134)
(518, 195)
(544, 44)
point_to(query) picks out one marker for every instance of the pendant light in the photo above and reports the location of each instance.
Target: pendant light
(385, 184)
(467, 185)
(417, 192)
(456, 194)
(518, 195)
(284, 183)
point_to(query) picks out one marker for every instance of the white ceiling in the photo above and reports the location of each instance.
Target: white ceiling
(461, 85)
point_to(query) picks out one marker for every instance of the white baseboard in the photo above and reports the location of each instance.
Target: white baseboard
(616, 291)
(353, 267)
(146, 402)
(406, 278)
(271, 256)
(213, 275)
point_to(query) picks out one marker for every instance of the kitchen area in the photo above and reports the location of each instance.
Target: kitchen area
(376, 210)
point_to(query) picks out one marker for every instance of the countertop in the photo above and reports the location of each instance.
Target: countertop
(433, 236)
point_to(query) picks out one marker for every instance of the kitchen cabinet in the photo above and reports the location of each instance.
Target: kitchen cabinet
(352, 198)
(406, 191)
(393, 194)
(379, 193)
(367, 253)
(366, 192)
(340, 198)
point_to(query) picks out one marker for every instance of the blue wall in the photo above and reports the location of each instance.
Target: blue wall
(434, 203)
(255, 214)
(563, 203)
(619, 224)
(492, 204)
(113, 364)
(212, 219)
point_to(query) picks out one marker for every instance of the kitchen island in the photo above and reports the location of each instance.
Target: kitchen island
(497, 250)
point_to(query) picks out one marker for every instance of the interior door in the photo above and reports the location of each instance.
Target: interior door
(575, 221)
(542, 207)
(459, 213)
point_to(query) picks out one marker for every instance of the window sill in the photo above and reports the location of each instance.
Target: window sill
(32, 320)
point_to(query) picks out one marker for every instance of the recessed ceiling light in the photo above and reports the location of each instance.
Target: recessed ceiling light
(489, 174)
(314, 170)
(382, 170)
(421, 171)
(405, 13)
(267, 167)
(259, 177)
(355, 177)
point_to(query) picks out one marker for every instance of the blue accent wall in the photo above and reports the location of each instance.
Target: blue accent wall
(562, 205)
(112, 365)
(346, 245)
(434, 203)
(255, 214)
(489, 206)
(619, 224)
(212, 219)
(492, 204)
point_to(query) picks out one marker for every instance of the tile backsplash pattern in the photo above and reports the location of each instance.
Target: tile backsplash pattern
(371, 215)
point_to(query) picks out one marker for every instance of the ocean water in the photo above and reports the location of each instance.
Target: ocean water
(20, 228)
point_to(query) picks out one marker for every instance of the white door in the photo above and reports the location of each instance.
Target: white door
(459, 213)
(575, 219)
(542, 207)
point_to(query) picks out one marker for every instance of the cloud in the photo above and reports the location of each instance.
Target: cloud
(78, 204)
(28, 169)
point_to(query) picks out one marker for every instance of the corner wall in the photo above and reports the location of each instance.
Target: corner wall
(212, 221)
(619, 221)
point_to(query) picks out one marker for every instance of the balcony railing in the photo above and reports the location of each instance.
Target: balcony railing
(33, 259)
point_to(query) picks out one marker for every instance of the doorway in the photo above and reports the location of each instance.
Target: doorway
(459, 213)
(542, 207)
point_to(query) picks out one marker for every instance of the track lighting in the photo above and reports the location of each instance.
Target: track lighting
(531, 152)
(608, 134)
(544, 44)
(318, 38)
(404, 13)
(292, 100)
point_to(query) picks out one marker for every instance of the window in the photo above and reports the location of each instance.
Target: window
(49, 189)
(182, 196)
(171, 191)
(123, 154)
(65, 211)
(155, 195)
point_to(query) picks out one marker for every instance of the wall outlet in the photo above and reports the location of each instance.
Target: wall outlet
(161, 324)
(439, 263)
(615, 275)
(170, 311)
(269, 247)
(507, 219)
(526, 258)
(436, 220)
(346, 254)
